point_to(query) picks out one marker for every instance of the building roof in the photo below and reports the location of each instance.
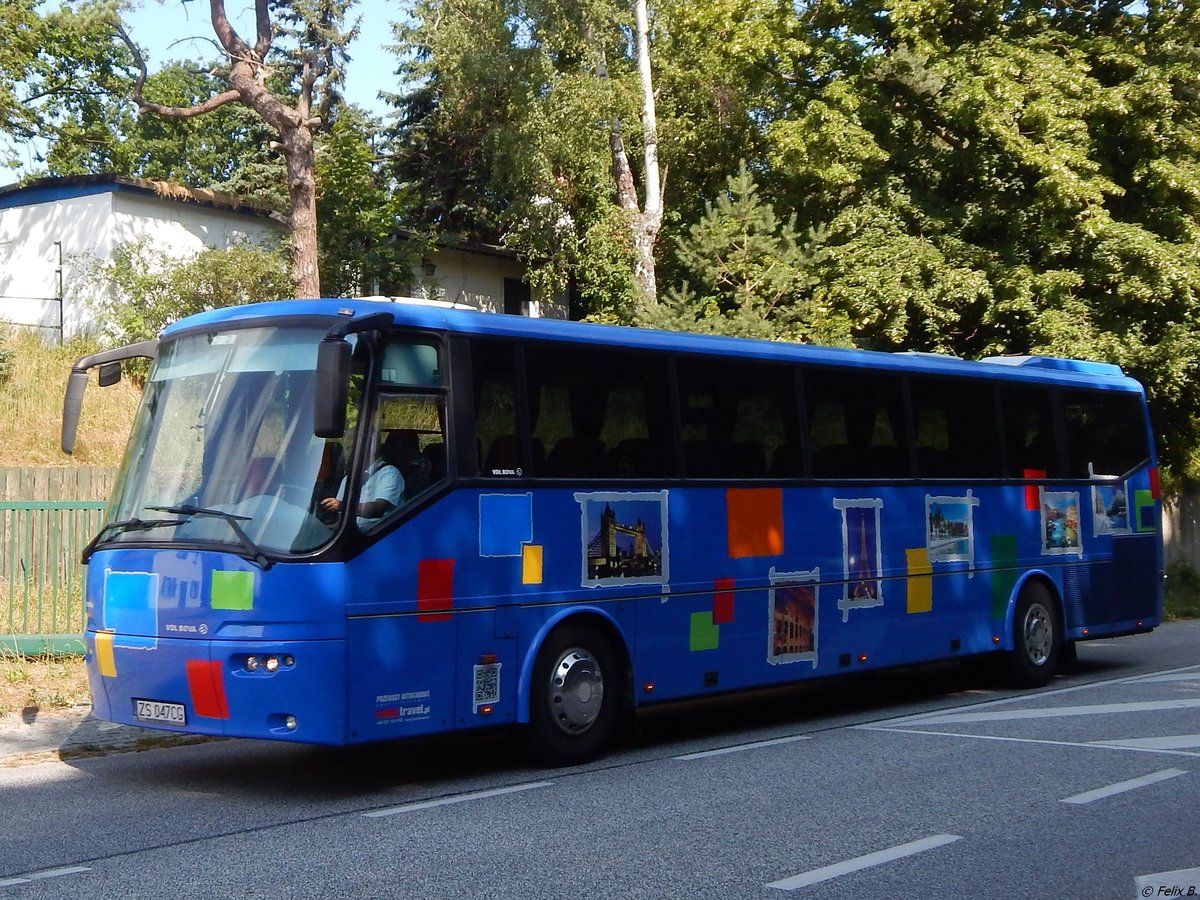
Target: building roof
(53, 188)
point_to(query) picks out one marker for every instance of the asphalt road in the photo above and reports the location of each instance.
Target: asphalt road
(930, 784)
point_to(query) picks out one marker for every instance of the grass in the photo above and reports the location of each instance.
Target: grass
(41, 683)
(1182, 592)
(33, 378)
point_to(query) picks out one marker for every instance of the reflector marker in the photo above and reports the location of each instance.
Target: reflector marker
(459, 798)
(106, 661)
(207, 687)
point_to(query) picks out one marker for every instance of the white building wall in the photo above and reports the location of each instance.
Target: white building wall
(184, 229)
(35, 243)
(477, 279)
(43, 242)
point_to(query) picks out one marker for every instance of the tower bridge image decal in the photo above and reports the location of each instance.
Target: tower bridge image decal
(624, 537)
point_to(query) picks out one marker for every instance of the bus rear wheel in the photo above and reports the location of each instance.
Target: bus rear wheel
(1037, 638)
(574, 698)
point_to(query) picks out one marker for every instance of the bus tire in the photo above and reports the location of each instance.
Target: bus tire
(575, 696)
(1037, 638)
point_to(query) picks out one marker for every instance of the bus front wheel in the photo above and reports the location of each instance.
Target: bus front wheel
(1037, 638)
(574, 698)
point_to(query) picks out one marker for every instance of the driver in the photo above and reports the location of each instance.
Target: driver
(381, 492)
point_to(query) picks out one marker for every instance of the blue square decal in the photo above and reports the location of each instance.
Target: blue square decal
(131, 603)
(505, 523)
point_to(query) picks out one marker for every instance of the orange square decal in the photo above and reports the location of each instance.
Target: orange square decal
(754, 517)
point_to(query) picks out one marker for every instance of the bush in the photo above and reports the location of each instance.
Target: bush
(148, 291)
(1182, 592)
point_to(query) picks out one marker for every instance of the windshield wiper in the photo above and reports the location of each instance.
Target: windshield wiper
(121, 527)
(252, 551)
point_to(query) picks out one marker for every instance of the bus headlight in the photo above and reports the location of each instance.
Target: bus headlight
(271, 664)
(251, 664)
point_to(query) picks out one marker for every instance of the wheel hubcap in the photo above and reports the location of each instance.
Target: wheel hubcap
(576, 691)
(1039, 634)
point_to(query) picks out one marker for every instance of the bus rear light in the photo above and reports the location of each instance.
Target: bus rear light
(488, 659)
(862, 657)
(1084, 631)
(995, 638)
(485, 710)
(648, 687)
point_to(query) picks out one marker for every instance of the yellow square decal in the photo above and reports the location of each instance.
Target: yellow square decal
(531, 564)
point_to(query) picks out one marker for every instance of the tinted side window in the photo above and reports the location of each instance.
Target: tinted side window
(1029, 436)
(855, 424)
(739, 420)
(1106, 434)
(956, 430)
(494, 376)
(598, 413)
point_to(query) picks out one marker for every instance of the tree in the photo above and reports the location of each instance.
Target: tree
(53, 67)
(225, 150)
(307, 43)
(747, 273)
(515, 132)
(358, 208)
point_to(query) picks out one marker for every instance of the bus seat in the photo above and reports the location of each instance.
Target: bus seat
(640, 458)
(258, 472)
(702, 460)
(504, 455)
(577, 456)
(747, 459)
(436, 454)
(787, 461)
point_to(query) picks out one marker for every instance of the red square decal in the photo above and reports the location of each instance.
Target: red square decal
(207, 689)
(435, 589)
(722, 601)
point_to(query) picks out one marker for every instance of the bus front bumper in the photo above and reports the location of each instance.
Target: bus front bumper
(274, 690)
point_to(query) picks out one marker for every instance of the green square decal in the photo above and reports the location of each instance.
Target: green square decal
(233, 590)
(705, 635)
(1144, 500)
(1004, 572)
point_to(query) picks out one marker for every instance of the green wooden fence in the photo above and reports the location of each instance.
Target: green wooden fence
(41, 577)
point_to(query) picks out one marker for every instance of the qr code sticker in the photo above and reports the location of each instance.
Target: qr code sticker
(487, 685)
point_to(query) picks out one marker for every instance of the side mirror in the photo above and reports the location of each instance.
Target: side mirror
(72, 405)
(109, 364)
(332, 388)
(110, 374)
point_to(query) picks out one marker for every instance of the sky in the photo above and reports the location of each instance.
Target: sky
(158, 24)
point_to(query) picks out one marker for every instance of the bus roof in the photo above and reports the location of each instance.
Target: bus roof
(456, 318)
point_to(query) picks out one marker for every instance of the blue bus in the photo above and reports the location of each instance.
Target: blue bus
(347, 521)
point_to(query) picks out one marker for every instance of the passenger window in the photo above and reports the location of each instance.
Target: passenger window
(598, 414)
(497, 443)
(1105, 432)
(1029, 437)
(957, 433)
(855, 424)
(739, 420)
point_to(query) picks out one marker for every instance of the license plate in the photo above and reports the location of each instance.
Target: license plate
(157, 711)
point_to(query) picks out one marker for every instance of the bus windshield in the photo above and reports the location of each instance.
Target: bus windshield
(223, 450)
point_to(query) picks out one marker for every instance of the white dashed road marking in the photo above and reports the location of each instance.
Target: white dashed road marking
(1122, 786)
(878, 858)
